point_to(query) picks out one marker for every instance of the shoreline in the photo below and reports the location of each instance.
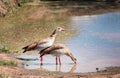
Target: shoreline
(74, 8)
(95, 12)
(19, 71)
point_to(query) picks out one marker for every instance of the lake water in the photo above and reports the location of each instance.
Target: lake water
(96, 45)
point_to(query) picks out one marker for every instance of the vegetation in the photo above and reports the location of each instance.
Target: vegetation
(31, 23)
(27, 21)
(4, 76)
(5, 49)
(24, 26)
(8, 6)
(7, 63)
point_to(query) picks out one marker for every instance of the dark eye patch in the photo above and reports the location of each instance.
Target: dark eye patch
(58, 28)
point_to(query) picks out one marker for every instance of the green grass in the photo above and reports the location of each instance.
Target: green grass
(34, 21)
(7, 63)
(4, 76)
(24, 26)
(5, 49)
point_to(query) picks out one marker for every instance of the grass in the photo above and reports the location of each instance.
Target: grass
(5, 49)
(4, 76)
(32, 3)
(33, 22)
(7, 63)
(29, 24)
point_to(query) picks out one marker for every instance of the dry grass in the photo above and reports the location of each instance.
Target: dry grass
(33, 22)
(29, 24)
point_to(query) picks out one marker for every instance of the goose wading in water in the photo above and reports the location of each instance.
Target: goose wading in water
(58, 50)
(44, 43)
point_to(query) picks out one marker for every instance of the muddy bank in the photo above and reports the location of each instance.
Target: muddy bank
(19, 72)
(73, 7)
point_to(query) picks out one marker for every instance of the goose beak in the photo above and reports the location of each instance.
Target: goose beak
(75, 62)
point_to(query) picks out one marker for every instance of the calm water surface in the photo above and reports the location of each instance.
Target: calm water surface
(97, 45)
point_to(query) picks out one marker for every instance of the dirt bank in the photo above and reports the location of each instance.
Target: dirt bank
(19, 72)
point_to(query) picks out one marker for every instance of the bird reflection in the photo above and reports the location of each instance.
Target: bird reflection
(58, 68)
(53, 67)
(73, 68)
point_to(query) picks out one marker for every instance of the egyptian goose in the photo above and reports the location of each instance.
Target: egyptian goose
(41, 44)
(58, 50)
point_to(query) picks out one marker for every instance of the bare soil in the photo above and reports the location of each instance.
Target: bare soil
(19, 72)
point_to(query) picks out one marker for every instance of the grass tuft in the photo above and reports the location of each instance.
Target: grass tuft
(4, 76)
(29, 24)
(5, 49)
(8, 63)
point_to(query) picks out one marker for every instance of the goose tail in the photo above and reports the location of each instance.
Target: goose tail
(25, 49)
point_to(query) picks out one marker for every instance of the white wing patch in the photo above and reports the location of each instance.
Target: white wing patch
(49, 42)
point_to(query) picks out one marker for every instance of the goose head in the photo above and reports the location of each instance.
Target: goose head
(72, 57)
(74, 60)
(59, 29)
(56, 31)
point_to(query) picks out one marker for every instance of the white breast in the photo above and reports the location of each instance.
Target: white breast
(49, 42)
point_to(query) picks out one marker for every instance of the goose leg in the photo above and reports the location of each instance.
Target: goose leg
(41, 59)
(59, 61)
(59, 68)
(56, 61)
(56, 68)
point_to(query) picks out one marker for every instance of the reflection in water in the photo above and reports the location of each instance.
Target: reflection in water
(58, 68)
(73, 68)
(98, 46)
(46, 66)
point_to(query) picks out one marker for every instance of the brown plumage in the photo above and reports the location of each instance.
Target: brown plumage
(32, 46)
(58, 50)
(41, 44)
(49, 49)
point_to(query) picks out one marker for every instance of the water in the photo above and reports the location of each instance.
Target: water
(97, 45)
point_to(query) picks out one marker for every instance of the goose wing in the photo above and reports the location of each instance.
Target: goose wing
(30, 47)
(40, 42)
(33, 45)
(50, 49)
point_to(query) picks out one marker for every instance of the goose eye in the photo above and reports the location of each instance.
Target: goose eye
(58, 28)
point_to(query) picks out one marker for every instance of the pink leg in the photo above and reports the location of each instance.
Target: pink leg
(59, 61)
(41, 59)
(56, 61)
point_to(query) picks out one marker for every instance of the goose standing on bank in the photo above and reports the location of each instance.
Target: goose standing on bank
(42, 44)
(58, 50)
